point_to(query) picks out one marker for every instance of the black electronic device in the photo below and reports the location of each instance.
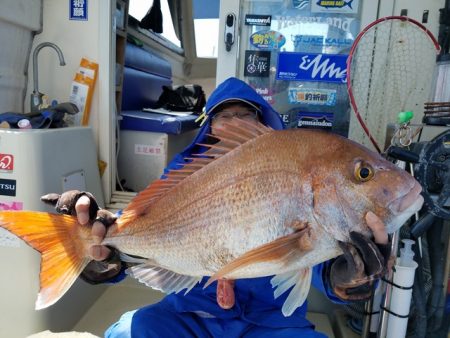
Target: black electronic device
(230, 31)
(433, 173)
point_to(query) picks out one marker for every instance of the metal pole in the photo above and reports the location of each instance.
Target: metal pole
(367, 319)
(388, 292)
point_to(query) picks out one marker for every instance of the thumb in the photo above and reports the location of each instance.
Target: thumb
(378, 228)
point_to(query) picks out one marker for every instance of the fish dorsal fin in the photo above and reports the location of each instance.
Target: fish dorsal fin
(161, 279)
(297, 296)
(233, 134)
(283, 249)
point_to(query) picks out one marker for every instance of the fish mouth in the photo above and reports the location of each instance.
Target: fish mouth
(404, 207)
(412, 200)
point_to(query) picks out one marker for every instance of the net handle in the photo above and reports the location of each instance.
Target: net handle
(350, 58)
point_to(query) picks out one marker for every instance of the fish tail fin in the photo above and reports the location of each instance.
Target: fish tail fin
(63, 251)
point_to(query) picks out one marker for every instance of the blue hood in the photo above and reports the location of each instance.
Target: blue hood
(234, 89)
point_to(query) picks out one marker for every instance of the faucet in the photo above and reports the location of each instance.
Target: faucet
(36, 97)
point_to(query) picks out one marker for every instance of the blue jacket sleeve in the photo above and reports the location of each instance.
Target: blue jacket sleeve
(321, 282)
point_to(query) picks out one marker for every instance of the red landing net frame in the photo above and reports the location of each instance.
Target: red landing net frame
(389, 70)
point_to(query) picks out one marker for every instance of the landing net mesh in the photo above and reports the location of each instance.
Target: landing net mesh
(390, 70)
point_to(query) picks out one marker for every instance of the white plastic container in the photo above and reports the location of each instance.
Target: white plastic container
(401, 298)
(143, 155)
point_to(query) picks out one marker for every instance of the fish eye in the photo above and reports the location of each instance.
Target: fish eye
(363, 172)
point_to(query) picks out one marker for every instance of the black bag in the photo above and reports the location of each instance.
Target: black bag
(182, 98)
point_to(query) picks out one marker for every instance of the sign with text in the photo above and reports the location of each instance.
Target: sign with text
(258, 20)
(312, 67)
(7, 187)
(267, 40)
(257, 63)
(335, 6)
(315, 120)
(78, 10)
(312, 96)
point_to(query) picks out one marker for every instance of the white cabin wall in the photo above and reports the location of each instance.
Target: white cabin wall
(76, 39)
(18, 20)
(91, 39)
(416, 9)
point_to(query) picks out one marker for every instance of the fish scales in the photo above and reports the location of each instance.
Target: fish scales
(242, 207)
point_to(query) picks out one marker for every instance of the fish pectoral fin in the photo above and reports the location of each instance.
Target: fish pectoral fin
(283, 282)
(282, 251)
(162, 279)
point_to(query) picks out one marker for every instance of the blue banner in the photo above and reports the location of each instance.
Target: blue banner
(312, 67)
(78, 10)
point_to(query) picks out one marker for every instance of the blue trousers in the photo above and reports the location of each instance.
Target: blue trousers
(158, 321)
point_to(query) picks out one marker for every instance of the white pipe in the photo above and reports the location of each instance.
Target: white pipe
(387, 289)
(401, 298)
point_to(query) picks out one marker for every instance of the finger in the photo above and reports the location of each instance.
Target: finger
(82, 209)
(348, 267)
(106, 217)
(359, 293)
(50, 199)
(225, 293)
(378, 228)
(99, 252)
(66, 202)
(371, 255)
(98, 232)
(355, 264)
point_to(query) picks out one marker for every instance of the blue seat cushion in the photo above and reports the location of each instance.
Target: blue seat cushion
(144, 75)
(141, 90)
(158, 123)
(147, 61)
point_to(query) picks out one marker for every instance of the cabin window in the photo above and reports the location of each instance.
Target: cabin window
(138, 10)
(206, 25)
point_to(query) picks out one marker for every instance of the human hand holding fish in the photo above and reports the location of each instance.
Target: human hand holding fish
(85, 207)
(106, 263)
(352, 275)
(259, 203)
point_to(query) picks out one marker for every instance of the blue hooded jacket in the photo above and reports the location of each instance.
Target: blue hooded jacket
(231, 89)
(255, 302)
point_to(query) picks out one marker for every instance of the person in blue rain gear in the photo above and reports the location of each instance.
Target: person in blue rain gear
(241, 308)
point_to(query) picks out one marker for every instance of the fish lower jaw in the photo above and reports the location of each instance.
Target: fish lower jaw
(403, 203)
(400, 218)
